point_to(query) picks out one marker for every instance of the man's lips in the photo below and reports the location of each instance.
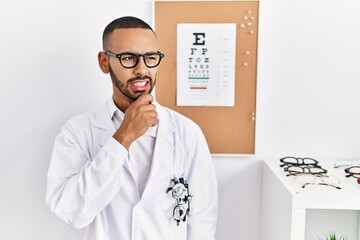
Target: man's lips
(139, 85)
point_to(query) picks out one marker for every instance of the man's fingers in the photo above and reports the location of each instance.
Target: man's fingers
(148, 107)
(145, 98)
(156, 121)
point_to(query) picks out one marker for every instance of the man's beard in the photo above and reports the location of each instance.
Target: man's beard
(123, 88)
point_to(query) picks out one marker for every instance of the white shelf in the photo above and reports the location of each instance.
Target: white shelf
(285, 201)
(320, 197)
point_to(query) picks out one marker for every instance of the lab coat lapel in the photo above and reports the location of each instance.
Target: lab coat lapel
(163, 151)
(104, 123)
(106, 128)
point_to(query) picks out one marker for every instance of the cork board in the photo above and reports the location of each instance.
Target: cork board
(228, 130)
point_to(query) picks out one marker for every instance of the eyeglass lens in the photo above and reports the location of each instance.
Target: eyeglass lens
(178, 191)
(179, 212)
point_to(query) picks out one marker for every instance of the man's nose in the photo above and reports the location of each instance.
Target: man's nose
(141, 68)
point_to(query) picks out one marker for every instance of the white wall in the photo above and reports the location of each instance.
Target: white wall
(240, 184)
(48, 73)
(308, 101)
(308, 88)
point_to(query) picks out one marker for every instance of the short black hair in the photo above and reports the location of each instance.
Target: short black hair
(123, 22)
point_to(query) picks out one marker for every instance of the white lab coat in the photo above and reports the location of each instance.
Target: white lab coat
(89, 184)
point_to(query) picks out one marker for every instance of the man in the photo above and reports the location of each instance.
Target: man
(133, 169)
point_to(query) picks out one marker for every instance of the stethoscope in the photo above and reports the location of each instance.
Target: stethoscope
(180, 191)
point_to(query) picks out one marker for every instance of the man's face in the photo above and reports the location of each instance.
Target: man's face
(130, 83)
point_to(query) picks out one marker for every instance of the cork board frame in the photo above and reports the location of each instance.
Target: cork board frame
(228, 130)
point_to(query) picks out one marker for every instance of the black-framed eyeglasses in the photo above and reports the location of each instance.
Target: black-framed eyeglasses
(296, 161)
(131, 59)
(353, 171)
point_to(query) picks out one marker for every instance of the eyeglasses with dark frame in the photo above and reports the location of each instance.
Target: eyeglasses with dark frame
(296, 161)
(304, 169)
(353, 171)
(131, 59)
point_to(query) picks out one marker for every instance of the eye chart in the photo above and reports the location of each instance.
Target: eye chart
(206, 64)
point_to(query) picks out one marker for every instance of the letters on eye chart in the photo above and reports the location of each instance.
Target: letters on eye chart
(206, 64)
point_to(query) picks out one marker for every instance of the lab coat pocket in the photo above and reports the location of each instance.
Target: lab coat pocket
(167, 202)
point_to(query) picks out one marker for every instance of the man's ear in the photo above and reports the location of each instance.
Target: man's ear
(103, 60)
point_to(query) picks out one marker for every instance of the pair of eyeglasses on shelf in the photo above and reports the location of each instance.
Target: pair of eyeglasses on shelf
(304, 169)
(353, 171)
(322, 180)
(296, 161)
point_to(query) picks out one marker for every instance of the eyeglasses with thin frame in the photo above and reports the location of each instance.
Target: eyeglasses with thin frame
(131, 59)
(322, 180)
(295, 161)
